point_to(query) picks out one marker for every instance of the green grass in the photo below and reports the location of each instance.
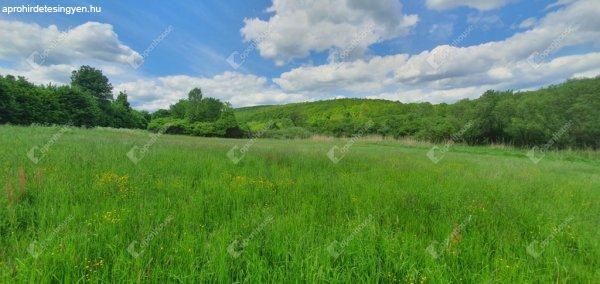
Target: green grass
(85, 202)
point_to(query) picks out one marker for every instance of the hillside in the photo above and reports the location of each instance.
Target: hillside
(517, 118)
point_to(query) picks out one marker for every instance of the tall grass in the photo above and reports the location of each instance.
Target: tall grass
(384, 213)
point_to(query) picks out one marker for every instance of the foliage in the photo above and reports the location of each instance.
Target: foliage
(293, 132)
(198, 116)
(86, 102)
(514, 118)
(93, 81)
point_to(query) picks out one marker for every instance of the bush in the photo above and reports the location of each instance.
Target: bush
(288, 133)
(221, 128)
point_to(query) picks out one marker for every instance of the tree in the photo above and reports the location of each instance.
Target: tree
(194, 111)
(92, 80)
(161, 113)
(202, 109)
(7, 101)
(80, 108)
(210, 109)
(122, 101)
(122, 112)
(195, 95)
(179, 109)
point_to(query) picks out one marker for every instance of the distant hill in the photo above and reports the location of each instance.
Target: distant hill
(517, 118)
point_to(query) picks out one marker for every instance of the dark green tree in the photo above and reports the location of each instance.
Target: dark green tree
(93, 81)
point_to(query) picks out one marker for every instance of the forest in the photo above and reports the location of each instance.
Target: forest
(567, 114)
(87, 102)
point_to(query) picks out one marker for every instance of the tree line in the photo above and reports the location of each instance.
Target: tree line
(567, 114)
(87, 101)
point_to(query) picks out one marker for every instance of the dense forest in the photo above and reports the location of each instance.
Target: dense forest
(567, 114)
(88, 102)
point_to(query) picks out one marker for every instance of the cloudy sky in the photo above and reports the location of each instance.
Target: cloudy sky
(280, 51)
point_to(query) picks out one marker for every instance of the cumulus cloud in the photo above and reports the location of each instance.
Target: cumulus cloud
(357, 76)
(51, 46)
(238, 89)
(53, 74)
(526, 59)
(482, 5)
(298, 27)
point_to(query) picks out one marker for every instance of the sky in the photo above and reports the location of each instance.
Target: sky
(282, 51)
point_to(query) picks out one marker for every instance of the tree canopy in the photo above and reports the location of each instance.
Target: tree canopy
(567, 115)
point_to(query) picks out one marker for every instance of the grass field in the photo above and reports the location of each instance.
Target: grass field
(384, 213)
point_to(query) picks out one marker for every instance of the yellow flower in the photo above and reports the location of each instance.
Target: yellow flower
(111, 217)
(120, 183)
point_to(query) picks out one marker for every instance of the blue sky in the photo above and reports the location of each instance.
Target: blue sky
(307, 50)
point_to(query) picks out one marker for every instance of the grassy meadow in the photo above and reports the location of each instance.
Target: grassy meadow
(185, 212)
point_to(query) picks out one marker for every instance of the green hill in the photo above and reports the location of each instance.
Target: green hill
(571, 109)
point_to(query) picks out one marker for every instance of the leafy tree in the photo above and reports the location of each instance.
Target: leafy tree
(93, 81)
(161, 113)
(179, 109)
(80, 108)
(210, 109)
(195, 95)
(122, 101)
(194, 109)
(8, 104)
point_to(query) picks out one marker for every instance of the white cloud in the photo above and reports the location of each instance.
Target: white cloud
(238, 89)
(457, 72)
(96, 44)
(298, 27)
(500, 65)
(359, 75)
(482, 5)
(560, 3)
(89, 41)
(53, 74)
